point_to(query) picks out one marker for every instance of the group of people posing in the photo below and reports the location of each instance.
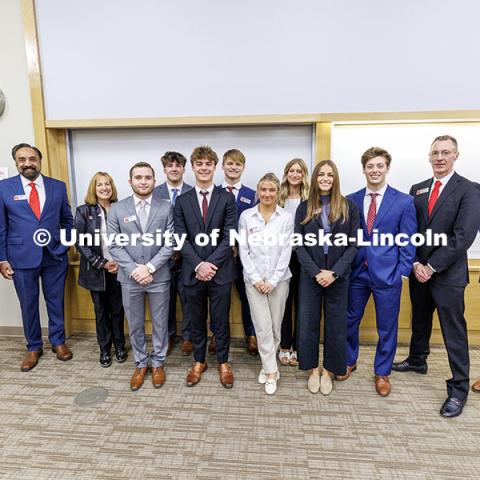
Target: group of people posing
(287, 293)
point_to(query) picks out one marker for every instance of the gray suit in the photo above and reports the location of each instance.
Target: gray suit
(176, 285)
(122, 218)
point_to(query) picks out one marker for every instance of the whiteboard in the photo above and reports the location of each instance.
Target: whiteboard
(267, 149)
(124, 59)
(409, 145)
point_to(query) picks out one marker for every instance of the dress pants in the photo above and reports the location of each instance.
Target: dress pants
(109, 314)
(248, 326)
(198, 297)
(134, 303)
(290, 316)
(52, 272)
(450, 305)
(176, 287)
(267, 314)
(387, 308)
(313, 299)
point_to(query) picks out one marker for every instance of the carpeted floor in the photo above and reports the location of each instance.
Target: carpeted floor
(207, 432)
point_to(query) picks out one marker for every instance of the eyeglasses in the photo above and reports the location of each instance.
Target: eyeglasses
(443, 153)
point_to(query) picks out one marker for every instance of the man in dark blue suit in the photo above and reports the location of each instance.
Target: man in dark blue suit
(208, 269)
(233, 165)
(174, 169)
(30, 202)
(446, 204)
(379, 270)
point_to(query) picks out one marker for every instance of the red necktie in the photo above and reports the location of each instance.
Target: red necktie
(372, 212)
(204, 205)
(230, 188)
(34, 200)
(434, 196)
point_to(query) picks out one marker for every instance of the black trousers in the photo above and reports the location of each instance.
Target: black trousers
(176, 287)
(109, 314)
(288, 338)
(333, 302)
(198, 298)
(450, 305)
(248, 327)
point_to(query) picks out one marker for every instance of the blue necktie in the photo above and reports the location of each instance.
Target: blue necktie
(174, 195)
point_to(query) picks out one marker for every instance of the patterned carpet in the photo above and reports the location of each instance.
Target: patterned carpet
(207, 432)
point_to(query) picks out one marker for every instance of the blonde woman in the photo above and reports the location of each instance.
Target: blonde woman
(324, 276)
(266, 272)
(293, 189)
(98, 271)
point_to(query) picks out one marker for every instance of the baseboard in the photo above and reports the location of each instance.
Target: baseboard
(17, 331)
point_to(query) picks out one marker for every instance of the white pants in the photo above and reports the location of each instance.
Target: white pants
(267, 315)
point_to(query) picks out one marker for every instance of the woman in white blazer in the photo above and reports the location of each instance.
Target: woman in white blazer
(265, 252)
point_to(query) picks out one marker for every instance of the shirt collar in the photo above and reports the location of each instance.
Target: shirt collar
(256, 211)
(209, 189)
(38, 181)
(380, 192)
(171, 188)
(445, 179)
(237, 186)
(138, 200)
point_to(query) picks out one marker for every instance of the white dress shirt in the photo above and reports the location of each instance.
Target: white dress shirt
(170, 190)
(291, 205)
(200, 196)
(265, 262)
(235, 190)
(40, 189)
(367, 200)
(148, 202)
(443, 182)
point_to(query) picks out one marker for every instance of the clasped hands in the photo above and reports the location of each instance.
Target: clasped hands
(423, 273)
(111, 267)
(325, 278)
(206, 271)
(264, 287)
(141, 275)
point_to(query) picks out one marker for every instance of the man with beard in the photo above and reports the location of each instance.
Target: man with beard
(30, 202)
(143, 270)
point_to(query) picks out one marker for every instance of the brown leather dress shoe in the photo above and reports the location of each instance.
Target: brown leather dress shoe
(212, 347)
(30, 360)
(158, 376)
(252, 347)
(137, 378)
(186, 348)
(342, 378)
(382, 385)
(226, 375)
(195, 373)
(476, 387)
(63, 352)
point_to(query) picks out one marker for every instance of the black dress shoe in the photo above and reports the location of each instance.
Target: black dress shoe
(105, 360)
(406, 366)
(452, 407)
(120, 355)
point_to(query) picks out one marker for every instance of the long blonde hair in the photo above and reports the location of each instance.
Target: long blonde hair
(338, 203)
(91, 196)
(285, 187)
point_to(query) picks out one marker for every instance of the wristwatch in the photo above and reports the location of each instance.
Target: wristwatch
(334, 275)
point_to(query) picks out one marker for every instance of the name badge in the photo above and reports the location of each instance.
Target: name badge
(422, 190)
(245, 200)
(253, 230)
(20, 197)
(129, 219)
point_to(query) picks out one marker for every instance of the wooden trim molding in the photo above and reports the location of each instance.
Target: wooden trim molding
(323, 141)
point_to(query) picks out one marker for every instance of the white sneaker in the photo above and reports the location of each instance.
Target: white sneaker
(270, 386)
(262, 378)
(284, 357)
(326, 384)
(313, 383)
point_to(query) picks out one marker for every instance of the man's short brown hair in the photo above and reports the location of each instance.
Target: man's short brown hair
(170, 157)
(373, 152)
(445, 138)
(235, 155)
(204, 152)
(140, 165)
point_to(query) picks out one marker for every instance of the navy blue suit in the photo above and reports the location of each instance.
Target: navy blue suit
(176, 285)
(188, 219)
(378, 270)
(31, 262)
(245, 200)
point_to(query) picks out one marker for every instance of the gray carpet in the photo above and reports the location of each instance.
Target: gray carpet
(209, 432)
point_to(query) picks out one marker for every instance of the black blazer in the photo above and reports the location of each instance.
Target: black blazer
(92, 273)
(457, 214)
(339, 258)
(222, 215)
